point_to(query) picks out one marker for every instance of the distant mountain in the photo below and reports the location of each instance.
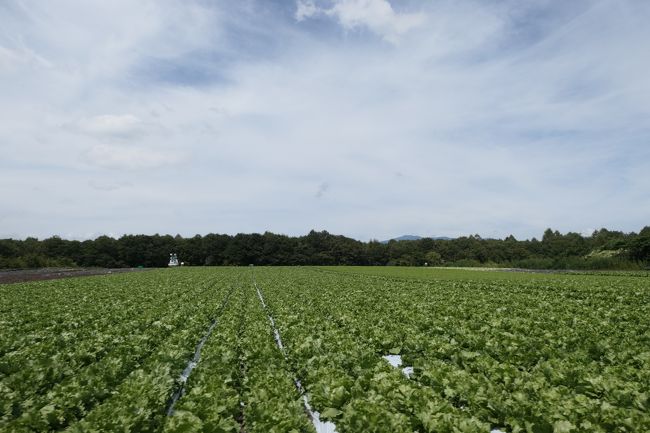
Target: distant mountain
(406, 238)
(416, 238)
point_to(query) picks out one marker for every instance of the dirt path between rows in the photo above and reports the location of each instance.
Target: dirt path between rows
(25, 275)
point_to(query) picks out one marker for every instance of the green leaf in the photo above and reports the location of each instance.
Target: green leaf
(330, 413)
(563, 427)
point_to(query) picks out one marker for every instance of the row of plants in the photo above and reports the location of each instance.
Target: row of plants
(84, 328)
(564, 354)
(336, 344)
(242, 382)
(121, 360)
(535, 354)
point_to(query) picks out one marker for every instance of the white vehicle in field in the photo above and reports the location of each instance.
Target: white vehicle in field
(173, 260)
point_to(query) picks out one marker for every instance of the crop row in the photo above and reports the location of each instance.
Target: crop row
(135, 361)
(542, 356)
(242, 382)
(538, 355)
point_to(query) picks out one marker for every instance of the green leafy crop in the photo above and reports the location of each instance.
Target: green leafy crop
(534, 354)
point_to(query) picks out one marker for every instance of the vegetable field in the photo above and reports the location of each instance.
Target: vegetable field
(301, 349)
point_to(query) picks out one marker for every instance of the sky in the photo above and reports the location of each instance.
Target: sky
(367, 118)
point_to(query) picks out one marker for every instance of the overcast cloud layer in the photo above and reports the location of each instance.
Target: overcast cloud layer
(366, 118)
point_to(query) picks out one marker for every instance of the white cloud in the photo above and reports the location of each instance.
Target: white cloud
(376, 15)
(111, 125)
(496, 126)
(130, 158)
(306, 9)
(110, 185)
(8, 58)
(11, 59)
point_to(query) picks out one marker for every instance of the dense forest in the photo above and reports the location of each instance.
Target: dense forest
(604, 249)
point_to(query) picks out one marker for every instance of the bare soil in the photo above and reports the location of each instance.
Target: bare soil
(25, 275)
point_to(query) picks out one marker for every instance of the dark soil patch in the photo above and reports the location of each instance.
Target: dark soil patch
(25, 275)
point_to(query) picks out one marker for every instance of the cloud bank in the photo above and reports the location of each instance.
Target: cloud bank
(375, 15)
(370, 118)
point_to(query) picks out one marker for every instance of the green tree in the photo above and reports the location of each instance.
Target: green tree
(433, 258)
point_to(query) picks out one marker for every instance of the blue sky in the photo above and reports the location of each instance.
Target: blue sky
(369, 118)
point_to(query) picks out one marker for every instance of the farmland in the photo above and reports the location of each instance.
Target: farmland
(258, 349)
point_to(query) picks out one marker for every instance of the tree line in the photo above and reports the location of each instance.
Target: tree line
(603, 249)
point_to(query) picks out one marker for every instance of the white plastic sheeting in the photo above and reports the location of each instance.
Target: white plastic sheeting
(396, 361)
(320, 426)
